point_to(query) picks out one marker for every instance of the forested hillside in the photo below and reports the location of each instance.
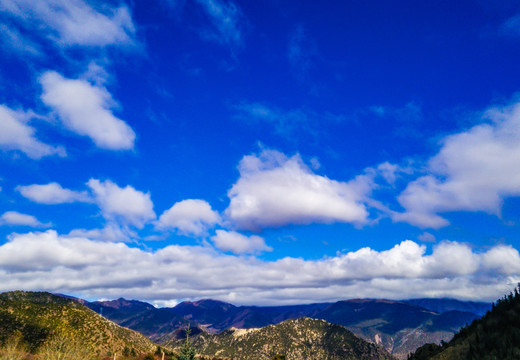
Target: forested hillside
(495, 336)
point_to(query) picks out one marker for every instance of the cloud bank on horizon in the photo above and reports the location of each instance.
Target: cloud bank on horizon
(187, 150)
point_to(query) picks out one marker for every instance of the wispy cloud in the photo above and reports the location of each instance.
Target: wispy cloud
(20, 44)
(227, 20)
(511, 26)
(73, 22)
(17, 134)
(287, 123)
(299, 52)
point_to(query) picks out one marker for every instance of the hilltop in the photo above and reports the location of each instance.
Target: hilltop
(302, 338)
(40, 315)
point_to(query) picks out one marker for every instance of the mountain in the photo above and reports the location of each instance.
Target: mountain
(40, 315)
(445, 304)
(399, 326)
(302, 338)
(494, 336)
(217, 316)
(120, 309)
(156, 322)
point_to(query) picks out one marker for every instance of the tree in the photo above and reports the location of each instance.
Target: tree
(187, 351)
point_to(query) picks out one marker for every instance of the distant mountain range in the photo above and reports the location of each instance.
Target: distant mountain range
(400, 327)
(349, 329)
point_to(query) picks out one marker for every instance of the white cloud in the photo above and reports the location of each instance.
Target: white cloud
(73, 22)
(473, 171)
(189, 217)
(426, 237)
(238, 243)
(85, 109)
(226, 18)
(388, 171)
(52, 193)
(15, 218)
(502, 258)
(111, 232)
(274, 190)
(67, 264)
(123, 204)
(17, 134)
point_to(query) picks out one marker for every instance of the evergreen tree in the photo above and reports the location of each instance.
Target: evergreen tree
(187, 351)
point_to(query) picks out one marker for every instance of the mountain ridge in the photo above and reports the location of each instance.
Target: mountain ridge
(303, 338)
(399, 326)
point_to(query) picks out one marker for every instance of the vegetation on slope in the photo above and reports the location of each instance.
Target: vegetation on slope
(399, 326)
(303, 338)
(495, 336)
(39, 317)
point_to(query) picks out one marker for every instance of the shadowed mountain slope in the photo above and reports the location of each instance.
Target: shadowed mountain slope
(494, 336)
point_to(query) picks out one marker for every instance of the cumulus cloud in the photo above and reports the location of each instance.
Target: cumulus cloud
(126, 204)
(275, 190)
(78, 265)
(52, 193)
(238, 243)
(73, 22)
(473, 171)
(189, 217)
(227, 19)
(17, 134)
(84, 108)
(15, 218)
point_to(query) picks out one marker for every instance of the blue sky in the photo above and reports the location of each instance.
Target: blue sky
(272, 152)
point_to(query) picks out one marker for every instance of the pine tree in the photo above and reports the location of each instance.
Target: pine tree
(187, 351)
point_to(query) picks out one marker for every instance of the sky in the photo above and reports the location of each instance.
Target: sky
(260, 152)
